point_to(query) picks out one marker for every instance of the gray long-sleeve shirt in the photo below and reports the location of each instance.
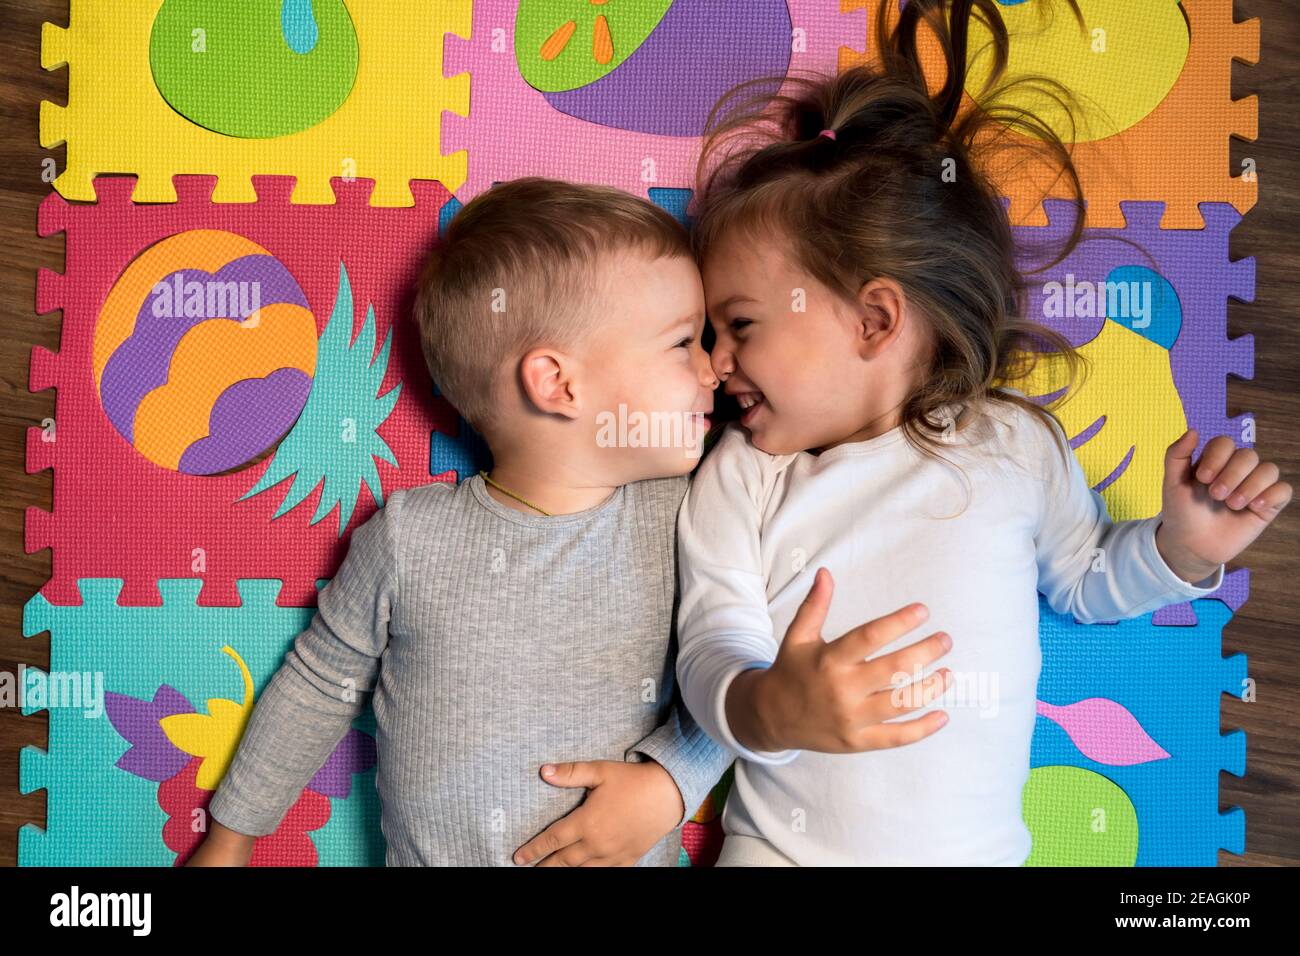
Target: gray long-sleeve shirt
(489, 641)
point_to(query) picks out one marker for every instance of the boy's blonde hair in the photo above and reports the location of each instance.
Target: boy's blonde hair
(516, 269)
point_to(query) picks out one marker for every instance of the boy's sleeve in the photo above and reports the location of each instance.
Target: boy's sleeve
(692, 758)
(1092, 567)
(311, 701)
(723, 625)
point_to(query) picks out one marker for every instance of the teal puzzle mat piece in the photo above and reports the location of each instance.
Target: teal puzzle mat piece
(110, 798)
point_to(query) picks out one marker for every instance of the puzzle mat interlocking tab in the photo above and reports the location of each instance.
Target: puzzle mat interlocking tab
(510, 129)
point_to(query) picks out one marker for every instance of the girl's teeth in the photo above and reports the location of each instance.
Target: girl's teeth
(749, 399)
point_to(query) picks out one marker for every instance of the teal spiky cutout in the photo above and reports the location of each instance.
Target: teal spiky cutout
(336, 439)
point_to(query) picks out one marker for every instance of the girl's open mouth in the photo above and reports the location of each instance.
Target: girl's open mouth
(749, 403)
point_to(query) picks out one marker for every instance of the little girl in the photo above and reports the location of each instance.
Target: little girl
(862, 284)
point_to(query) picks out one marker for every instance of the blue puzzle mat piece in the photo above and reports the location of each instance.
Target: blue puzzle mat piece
(1170, 678)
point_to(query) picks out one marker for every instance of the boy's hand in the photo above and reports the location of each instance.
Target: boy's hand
(825, 696)
(1212, 512)
(629, 808)
(223, 847)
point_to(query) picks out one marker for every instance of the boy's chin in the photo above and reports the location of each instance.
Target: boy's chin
(681, 462)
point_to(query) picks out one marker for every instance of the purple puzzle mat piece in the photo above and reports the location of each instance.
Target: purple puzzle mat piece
(1195, 262)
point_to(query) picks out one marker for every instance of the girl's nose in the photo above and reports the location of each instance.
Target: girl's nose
(721, 361)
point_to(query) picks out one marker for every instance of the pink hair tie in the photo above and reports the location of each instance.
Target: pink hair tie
(828, 133)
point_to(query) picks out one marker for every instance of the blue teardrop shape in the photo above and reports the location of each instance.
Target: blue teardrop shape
(298, 24)
(1147, 304)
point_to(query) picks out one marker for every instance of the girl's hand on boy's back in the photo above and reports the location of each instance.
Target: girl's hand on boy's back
(825, 696)
(629, 808)
(1211, 512)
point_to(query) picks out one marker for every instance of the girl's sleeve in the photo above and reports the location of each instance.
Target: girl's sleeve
(1090, 566)
(723, 625)
(327, 678)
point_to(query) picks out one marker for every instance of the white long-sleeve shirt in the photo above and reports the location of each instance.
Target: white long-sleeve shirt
(752, 532)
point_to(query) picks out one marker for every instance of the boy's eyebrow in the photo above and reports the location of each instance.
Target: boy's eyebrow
(679, 322)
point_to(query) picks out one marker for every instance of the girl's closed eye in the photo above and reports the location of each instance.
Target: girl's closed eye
(738, 324)
(685, 343)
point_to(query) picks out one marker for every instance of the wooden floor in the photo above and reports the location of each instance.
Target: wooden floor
(1265, 629)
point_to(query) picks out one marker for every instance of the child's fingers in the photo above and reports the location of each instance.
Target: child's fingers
(811, 615)
(1214, 456)
(883, 672)
(574, 855)
(896, 701)
(886, 736)
(1252, 486)
(1241, 464)
(853, 646)
(578, 773)
(1178, 457)
(1274, 499)
(560, 835)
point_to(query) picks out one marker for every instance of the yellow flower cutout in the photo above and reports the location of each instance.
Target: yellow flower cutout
(214, 735)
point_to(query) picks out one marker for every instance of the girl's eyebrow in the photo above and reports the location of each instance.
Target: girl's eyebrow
(738, 297)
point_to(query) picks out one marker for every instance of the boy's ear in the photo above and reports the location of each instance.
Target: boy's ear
(881, 316)
(546, 376)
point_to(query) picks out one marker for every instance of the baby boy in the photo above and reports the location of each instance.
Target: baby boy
(514, 633)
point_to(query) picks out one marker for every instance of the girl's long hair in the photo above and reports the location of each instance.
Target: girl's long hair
(901, 192)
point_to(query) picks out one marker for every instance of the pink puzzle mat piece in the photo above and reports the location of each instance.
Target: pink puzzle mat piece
(118, 512)
(514, 130)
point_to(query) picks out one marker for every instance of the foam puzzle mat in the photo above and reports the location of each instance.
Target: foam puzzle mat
(210, 458)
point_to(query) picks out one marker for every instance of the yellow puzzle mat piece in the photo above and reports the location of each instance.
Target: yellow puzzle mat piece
(387, 129)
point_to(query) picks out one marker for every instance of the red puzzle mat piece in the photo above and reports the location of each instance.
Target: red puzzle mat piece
(117, 513)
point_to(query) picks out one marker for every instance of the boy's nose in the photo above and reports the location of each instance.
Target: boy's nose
(708, 378)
